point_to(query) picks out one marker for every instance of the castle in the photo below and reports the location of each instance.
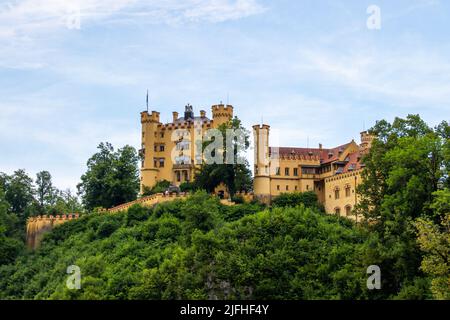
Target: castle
(169, 153)
(168, 150)
(333, 174)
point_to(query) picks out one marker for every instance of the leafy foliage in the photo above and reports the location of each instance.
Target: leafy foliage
(434, 240)
(403, 169)
(308, 199)
(235, 176)
(195, 249)
(159, 187)
(112, 177)
(11, 242)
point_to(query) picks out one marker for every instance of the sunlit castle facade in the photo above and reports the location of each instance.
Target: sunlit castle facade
(168, 149)
(332, 173)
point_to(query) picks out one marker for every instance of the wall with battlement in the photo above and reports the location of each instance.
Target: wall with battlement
(37, 226)
(149, 201)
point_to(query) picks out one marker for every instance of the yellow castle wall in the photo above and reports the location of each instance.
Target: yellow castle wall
(347, 180)
(155, 133)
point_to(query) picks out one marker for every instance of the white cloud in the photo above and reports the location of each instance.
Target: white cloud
(404, 76)
(22, 18)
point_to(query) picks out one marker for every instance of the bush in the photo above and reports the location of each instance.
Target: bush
(159, 187)
(187, 187)
(107, 228)
(137, 213)
(308, 199)
(232, 213)
(237, 199)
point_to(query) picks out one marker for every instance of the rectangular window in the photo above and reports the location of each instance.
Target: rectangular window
(161, 163)
(162, 134)
(178, 176)
(161, 148)
(286, 171)
(277, 171)
(296, 172)
(347, 192)
(308, 170)
(296, 188)
(287, 188)
(278, 187)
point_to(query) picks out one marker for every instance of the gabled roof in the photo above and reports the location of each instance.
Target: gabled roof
(325, 155)
(354, 162)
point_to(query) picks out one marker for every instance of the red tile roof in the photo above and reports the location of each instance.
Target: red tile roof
(354, 160)
(323, 154)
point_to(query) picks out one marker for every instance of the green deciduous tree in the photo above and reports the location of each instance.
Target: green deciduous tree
(46, 193)
(19, 193)
(402, 170)
(236, 176)
(308, 199)
(10, 236)
(112, 177)
(434, 241)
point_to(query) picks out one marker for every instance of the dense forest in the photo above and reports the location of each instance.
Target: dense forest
(200, 249)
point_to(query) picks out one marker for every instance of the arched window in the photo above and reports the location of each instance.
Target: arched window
(348, 210)
(347, 190)
(336, 193)
(337, 211)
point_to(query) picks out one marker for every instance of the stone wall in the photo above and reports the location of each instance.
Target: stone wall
(38, 226)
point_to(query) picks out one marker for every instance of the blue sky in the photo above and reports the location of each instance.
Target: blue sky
(310, 69)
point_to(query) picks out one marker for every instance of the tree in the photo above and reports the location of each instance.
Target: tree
(434, 241)
(19, 193)
(159, 187)
(112, 177)
(402, 170)
(45, 192)
(308, 199)
(66, 202)
(10, 239)
(236, 175)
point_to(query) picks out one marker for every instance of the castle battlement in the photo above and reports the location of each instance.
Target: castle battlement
(158, 143)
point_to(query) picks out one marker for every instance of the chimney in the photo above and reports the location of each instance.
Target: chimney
(175, 116)
(202, 113)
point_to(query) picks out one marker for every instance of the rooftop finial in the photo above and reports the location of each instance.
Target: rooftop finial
(147, 100)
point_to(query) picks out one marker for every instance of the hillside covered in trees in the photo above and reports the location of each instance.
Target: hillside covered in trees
(196, 249)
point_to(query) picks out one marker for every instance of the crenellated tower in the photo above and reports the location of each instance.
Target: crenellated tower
(149, 171)
(261, 182)
(366, 141)
(221, 114)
